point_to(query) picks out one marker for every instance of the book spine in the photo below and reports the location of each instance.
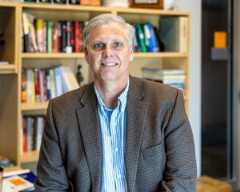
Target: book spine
(24, 87)
(48, 87)
(40, 34)
(154, 47)
(77, 36)
(52, 83)
(39, 131)
(30, 123)
(37, 84)
(63, 36)
(25, 140)
(140, 38)
(55, 38)
(30, 86)
(58, 80)
(49, 36)
(68, 37)
(25, 29)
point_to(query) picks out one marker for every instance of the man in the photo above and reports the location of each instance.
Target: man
(118, 133)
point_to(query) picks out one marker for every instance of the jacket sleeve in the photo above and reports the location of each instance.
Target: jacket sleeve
(51, 174)
(180, 172)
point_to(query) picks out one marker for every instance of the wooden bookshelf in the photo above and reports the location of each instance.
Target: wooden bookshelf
(36, 108)
(8, 69)
(12, 109)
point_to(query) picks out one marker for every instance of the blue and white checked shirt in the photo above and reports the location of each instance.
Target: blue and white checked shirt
(113, 126)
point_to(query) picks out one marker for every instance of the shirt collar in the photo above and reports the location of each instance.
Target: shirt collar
(122, 98)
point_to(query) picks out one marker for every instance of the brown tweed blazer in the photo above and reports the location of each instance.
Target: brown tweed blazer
(159, 154)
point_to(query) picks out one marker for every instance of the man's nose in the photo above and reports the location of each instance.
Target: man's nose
(107, 51)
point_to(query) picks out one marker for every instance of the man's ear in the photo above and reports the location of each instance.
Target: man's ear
(131, 55)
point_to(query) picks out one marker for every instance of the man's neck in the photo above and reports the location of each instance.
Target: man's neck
(110, 91)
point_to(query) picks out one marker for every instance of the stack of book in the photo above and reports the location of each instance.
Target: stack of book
(32, 132)
(47, 36)
(172, 77)
(39, 85)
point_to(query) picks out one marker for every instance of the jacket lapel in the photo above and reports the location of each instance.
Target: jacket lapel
(136, 110)
(90, 134)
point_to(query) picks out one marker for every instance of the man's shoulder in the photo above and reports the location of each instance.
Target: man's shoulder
(157, 90)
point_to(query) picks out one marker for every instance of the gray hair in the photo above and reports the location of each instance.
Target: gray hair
(105, 19)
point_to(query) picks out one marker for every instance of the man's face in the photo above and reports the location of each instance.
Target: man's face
(108, 53)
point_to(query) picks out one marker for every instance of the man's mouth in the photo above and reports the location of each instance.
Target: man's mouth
(109, 64)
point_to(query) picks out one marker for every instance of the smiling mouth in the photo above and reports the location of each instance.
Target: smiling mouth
(109, 64)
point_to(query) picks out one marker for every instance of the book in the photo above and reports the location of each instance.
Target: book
(140, 37)
(29, 129)
(25, 32)
(173, 33)
(115, 3)
(60, 1)
(44, 1)
(77, 36)
(33, 46)
(55, 37)
(30, 87)
(18, 180)
(76, 2)
(90, 2)
(69, 79)
(150, 38)
(58, 80)
(63, 36)
(39, 126)
(40, 31)
(68, 48)
(49, 36)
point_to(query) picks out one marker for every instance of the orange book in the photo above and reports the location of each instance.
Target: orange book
(90, 2)
(220, 39)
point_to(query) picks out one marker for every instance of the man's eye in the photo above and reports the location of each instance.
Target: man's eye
(117, 45)
(98, 46)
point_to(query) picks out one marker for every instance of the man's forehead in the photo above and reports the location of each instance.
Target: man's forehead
(109, 29)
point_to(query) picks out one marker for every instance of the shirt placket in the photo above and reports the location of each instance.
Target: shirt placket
(109, 183)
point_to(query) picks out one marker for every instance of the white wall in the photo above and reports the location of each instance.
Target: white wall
(195, 7)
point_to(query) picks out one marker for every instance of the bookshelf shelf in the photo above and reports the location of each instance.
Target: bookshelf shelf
(52, 55)
(34, 107)
(161, 55)
(8, 69)
(103, 9)
(8, 4)
(81, 55)
(30, 157)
